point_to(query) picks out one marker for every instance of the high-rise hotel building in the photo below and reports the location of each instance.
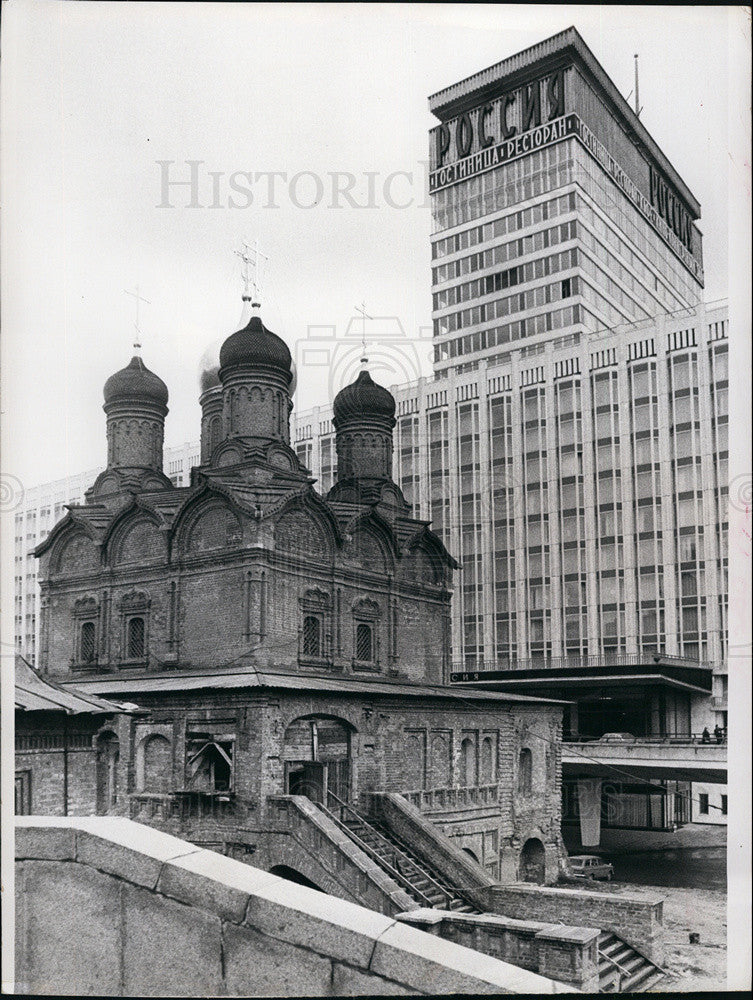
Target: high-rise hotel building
(555, 213)
(572, 445)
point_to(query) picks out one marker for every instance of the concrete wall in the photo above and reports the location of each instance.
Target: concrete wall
(106, 907)
(638, 921)
(568, 954)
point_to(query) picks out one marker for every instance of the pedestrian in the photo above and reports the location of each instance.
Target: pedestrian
(705, 735)
(718, 733)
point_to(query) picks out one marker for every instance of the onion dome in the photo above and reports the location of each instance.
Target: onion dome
(364, 398)
(135, 383)
(209, 368)
(256, 345)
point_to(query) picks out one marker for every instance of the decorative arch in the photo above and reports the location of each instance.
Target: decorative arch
(75, 552)
(525, 771)
(488, 763)
(154, 763)
(366, 551)
(468, 776)
(300, 531)
(439, 761)
(419, 565)
(136, 539)
(213, 526)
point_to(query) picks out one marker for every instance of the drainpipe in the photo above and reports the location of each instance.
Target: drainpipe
(65, 765)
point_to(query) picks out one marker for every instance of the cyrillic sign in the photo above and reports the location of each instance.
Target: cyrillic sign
(562, 128)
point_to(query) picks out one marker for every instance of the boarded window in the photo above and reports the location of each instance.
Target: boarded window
(209, 763)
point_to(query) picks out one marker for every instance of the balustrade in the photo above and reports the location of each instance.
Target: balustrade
(449, 799)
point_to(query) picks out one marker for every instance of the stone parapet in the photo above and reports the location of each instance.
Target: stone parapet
(106, 907)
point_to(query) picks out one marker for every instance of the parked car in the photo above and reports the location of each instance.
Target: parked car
(617, 738)
(589, 866)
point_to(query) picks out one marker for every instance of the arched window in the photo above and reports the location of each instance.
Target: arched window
(364, 644)
(135, 640)
(312, 636)
(525, 771)
(88, 642)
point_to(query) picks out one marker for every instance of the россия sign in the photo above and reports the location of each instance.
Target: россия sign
(678, 236)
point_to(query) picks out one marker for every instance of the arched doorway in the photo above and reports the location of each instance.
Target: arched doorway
(533, 861)
(317, 757)
(470, 853)
(108, 754)
(292, 875)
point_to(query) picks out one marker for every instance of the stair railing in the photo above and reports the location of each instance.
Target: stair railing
(397, 854)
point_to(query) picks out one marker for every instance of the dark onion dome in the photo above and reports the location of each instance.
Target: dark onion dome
(364, 398)
(256, 345)
(135, 381)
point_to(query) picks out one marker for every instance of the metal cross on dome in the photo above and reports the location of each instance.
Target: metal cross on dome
(251, 286)
(139, 298)
(364, 317)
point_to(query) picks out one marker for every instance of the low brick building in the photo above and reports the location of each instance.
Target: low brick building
(67, 747)
(281, 642)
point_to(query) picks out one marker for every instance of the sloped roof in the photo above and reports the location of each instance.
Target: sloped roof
(35, 694)
(253, 677)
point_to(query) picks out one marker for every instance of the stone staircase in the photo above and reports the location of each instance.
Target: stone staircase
(622, 969)
(426, 886)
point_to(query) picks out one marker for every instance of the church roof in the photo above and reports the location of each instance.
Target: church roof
(37, 694)
(256, 345)
(363, 398)
(253, 677)
(135, 381)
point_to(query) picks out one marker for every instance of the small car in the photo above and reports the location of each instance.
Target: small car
(617, 738)
(590, 867)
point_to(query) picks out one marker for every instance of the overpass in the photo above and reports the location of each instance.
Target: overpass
(672, 758)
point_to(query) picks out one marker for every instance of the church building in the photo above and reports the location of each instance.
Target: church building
(290, 651)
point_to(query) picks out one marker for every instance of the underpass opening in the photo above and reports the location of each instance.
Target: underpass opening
(293, 875)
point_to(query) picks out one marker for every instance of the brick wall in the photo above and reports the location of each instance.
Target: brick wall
(638, 921)
(384, 732)
(568, 954)
(150, 915)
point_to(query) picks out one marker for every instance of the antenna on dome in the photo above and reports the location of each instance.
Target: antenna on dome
(251, 257)
(364, 317)
(139, 298)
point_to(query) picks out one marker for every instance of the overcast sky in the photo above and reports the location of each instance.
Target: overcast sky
(96, 94)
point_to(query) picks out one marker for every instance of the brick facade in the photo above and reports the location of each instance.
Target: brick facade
(283, 642)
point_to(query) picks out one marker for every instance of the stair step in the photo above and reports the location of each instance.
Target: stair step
(649, 984)
(640, 978)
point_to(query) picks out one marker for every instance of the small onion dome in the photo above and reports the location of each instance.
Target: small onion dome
(364, 398)
(135, 382)
(256, 345)
(209, 368)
